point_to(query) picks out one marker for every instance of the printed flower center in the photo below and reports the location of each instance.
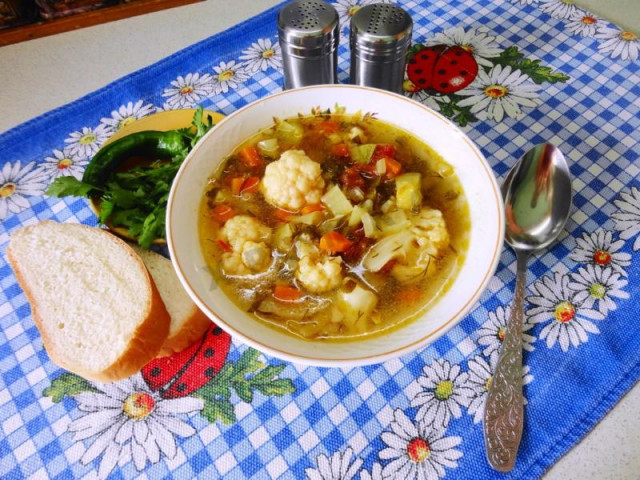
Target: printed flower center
(602, 257)
(597, 290)
(501, 332)
(138, 405)
(409, 86)
(629, 36)
(569, 2)
(7, 190)
(588, 20)
(186, 90)
(87, 139)
(418, 450)
(467, 48)
(352, 11)
(225, 76)
(64, 164)
(444, 390)
(496, 91)
(267, 54)
(564, 312)
(488, 383)
(126, 121)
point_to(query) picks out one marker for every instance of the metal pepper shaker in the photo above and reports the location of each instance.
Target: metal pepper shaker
(308, 32)
(380, 39)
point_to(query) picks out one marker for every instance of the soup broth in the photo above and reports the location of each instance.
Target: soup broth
(334, 227)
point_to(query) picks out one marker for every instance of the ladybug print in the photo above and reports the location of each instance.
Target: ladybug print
(188, 370)
(445, 69)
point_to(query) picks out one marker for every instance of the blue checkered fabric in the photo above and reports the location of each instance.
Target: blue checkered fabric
(347, 424)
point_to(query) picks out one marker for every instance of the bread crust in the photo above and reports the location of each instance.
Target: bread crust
(145, 342)
(190, 331)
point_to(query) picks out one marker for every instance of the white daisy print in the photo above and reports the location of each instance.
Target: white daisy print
(417, 451)
(444, 391)
(583, 23)
(475, 41)
(559, 8)
(16, 183)
(262, 55)
(411, 91)
(375, 474)
(598, 248)
(127, 420)
(228, 75)
(348, 8)
(127, 114)
(628, 218)
(188, 91)
(501, 91)
(63, 164)
(619, 43)
(598, 285)
(568, 322)
(86, 142)
(491, 334)
(480, 378)
(337, 467)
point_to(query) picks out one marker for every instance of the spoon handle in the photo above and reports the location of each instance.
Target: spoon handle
(503, 415)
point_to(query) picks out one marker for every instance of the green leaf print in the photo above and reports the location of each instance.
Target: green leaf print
(539, 74)
(67, 384)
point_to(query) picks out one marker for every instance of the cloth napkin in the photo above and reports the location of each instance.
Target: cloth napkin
(546, 71)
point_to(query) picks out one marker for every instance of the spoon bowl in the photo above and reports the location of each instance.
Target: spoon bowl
(537, 197)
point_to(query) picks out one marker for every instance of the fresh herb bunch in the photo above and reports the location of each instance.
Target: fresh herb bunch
(136, 199)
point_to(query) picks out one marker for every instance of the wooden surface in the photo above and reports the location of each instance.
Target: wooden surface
(43, 28)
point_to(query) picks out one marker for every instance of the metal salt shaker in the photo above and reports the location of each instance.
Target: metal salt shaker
(380, 39)
(308, 33)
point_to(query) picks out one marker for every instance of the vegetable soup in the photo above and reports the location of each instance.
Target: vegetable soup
(334, 226)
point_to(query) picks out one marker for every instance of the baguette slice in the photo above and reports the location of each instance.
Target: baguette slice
(188, 323)
(94, 302)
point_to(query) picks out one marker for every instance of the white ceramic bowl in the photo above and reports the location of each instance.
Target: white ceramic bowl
(473, 171)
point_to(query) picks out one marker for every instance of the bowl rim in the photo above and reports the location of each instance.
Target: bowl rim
(368, 359)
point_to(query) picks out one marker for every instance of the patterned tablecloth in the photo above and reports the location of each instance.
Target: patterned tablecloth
(546, 71)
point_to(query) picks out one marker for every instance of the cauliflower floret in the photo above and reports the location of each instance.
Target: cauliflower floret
(244, 228)
(429, 228)
(293, 181)
(256, 256)
(319, 274)
(231, 264)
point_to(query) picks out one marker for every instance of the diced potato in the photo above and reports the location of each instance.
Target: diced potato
(313, 218)
(408, 192)
(283, 237)
(356, 216)
(369, 224)
(356, 305)
(337, 201)
(290, 132)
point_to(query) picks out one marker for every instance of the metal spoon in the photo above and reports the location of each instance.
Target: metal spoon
(537, 197)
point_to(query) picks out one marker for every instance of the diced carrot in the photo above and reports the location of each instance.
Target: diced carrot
(224, 246)
(236, 185)
(340, 150)
(222, 212)
(410, 294)
(286, 293)
(328, 127)
(334, 242)
(314, 207)
(250, 185)
(383, 150)
(393, 167)
(282, 215)
(250, 157)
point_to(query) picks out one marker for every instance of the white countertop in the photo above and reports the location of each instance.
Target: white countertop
(42, 74)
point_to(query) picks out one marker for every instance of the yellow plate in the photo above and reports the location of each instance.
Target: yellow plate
(162, 121)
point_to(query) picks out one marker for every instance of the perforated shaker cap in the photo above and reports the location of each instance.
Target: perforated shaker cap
(381, 29)
(308, 27)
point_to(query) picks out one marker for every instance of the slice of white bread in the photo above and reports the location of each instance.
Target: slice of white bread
(94, 302)
(188, 323)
